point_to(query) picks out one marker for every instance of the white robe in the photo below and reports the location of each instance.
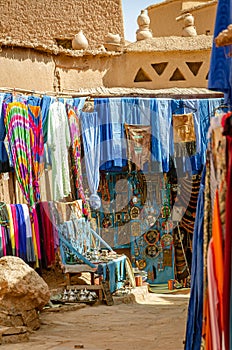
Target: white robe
(58, 141)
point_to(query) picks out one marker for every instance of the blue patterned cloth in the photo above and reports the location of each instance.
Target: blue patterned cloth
(91, 142)
(156, 112)
(220, 72)
(115, 270)
(4, 160)
(195, 308)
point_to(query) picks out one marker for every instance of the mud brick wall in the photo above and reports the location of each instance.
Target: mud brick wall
(47, 20)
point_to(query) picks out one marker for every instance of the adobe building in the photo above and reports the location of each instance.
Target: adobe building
(204, 13)
(37, 53)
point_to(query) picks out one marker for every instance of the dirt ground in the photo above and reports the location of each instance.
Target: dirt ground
(140, 321)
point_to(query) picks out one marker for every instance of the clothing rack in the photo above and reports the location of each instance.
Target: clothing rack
(41, 93)
(90, 95)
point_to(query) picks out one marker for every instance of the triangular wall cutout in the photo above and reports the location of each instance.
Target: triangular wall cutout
(177, 75)
(194, 67)
(207, 76)
(141, 76)
(159, 67)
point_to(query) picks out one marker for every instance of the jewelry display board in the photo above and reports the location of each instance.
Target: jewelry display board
(141, 212)
(136, 215)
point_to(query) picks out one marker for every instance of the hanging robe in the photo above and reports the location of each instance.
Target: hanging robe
(18, 135)
(74, 125)
(91, 142)
(58, 140)
(37, 146)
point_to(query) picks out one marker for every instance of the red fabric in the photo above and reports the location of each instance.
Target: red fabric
(36, 226)
(48, 233)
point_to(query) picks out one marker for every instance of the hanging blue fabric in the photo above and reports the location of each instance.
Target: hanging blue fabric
(4, 161)
(161, 118)
(193, 163)
(220, 72)
(76, 102)
(202, 109)
(195, 308)
(113, 113)
(91, 142)
(101, 106)
(44, 105)
(34, 100)
(21, 232)
(135, 111)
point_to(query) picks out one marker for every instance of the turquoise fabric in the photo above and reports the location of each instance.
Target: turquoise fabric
(115, 270)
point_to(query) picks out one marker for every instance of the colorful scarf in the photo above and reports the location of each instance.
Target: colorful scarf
(18, 135)
(37, 147)
(74, 125)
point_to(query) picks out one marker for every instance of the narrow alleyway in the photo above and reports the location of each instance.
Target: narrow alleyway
(152, 322)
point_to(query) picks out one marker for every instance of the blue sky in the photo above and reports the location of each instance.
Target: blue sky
(131, 10)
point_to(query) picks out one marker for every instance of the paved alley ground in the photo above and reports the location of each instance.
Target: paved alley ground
(152, 322)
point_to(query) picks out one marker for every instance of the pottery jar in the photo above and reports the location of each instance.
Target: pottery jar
(188, 20)
(113, 38)
(143, 34)
(79, 41)
(143, 19)
(189, 31)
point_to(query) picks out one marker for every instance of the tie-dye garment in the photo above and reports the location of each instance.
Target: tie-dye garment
(37, 147)
(18, 134)
(74, 126)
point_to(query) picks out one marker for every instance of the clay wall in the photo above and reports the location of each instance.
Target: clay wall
(34, 70)
(48, 21)
(163, 18)
(160, 70)
(204, 19)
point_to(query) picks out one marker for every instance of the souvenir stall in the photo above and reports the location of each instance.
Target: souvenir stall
(151, 158)
(209, 323)
(135, 164)
(41, 134)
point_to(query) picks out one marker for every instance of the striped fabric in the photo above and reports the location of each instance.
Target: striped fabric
(37, 147)
(74, 126)
(18, 134)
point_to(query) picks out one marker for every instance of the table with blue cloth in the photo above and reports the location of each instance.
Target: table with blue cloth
(113, 271)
